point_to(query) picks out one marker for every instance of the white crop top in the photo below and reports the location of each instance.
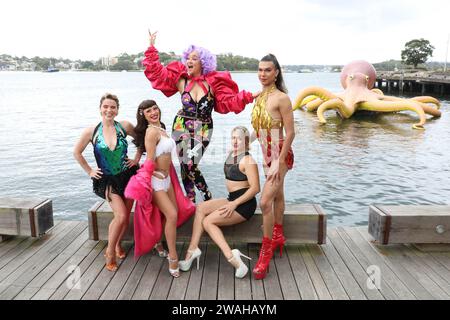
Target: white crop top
(165, 145)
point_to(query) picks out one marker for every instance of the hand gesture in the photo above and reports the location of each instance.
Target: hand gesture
(131, 162)
(256, 94)
(95, 173)
(152, 37)
(274, 171)
(228, 209)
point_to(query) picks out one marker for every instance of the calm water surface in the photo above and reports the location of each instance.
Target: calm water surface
(345, 165)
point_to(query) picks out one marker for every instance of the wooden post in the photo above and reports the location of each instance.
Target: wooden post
(411, 86)
(389, 86)
(400, 86)
(4, 238)
(423, 88)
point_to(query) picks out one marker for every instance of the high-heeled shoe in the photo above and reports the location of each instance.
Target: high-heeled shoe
(265, 255)
(174, 272)
(121, 254)
(185, 265)
(110, 266)
(278, 239)
(242, 269)
(161, 253)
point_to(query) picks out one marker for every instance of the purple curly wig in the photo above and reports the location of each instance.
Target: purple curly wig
(207, 59)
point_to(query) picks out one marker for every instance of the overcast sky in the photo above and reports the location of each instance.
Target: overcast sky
(297, 32)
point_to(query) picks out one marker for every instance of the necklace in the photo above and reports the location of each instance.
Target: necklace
(265, 94)
(153, 126)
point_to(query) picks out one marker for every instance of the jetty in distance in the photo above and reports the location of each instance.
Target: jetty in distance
(418, 82)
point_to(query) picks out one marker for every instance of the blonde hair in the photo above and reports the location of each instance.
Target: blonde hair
(246, 133)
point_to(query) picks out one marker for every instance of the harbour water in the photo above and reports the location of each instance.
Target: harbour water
(345, 165)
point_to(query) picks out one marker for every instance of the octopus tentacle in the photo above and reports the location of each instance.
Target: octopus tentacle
(392, 106)
(430, 110)
(313, 105)
(428, 99)
(307, 100)
(376, 90)
(312, 91)
(332, 104)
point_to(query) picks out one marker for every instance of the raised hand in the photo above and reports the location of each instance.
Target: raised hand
(152, 37)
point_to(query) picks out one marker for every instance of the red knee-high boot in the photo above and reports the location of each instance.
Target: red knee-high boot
(278, 238)
(262, 266)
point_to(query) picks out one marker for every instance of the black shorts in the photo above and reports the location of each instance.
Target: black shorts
(246, 209)
(117, 182)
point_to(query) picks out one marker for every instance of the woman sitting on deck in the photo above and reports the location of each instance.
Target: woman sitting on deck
(242, 181)
(113, 171)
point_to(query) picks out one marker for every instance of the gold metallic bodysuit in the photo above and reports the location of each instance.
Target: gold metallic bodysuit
(262, 120)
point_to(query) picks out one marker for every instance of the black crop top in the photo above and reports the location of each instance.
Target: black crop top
(231, 167)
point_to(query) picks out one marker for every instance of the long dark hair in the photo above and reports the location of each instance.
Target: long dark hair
(142, 123)
(280, 81)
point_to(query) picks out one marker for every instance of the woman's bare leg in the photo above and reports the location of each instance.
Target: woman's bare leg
(169, 209)
(212, 224)
(129, 206)
(202, 210)
(269, 192)
(118, 222)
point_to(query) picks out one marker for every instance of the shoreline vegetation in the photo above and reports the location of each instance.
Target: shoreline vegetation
(230, 62)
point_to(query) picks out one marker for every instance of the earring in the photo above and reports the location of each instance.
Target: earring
(141, 113)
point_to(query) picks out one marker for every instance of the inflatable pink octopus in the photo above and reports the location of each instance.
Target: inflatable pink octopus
(357, 79)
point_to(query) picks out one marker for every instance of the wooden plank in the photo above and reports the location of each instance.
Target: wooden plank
(164, 280)
(179, 287)
(95, 268)
(432, 262)
(26, 217)
(15, 259)
(208, 289)
(301, 275)
(104, 277)
(443, 258)
(410, 223)
(66, 271)
(328, 275)
(301, 225)
(225, 287)
(271, 283)
(243, 287)
(257, 286)
(425, 276)
(345, 276)
(389, 277)
(389, 254)
(286, 277)
(145, 287)
(120, 277)
(423, 265)
(45, 274)
(25, 273)
(132, 282)
(356, 263)
(10, 244)
(75, 286)
(196, 277)
(385, 291)
(16, 249)
(316, 278)
(33, 254)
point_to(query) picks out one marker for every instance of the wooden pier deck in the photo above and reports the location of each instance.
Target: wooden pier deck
(48, 268)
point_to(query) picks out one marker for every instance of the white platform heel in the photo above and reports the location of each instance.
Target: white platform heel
(242, 270)
(174, 272)
(185, 265)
